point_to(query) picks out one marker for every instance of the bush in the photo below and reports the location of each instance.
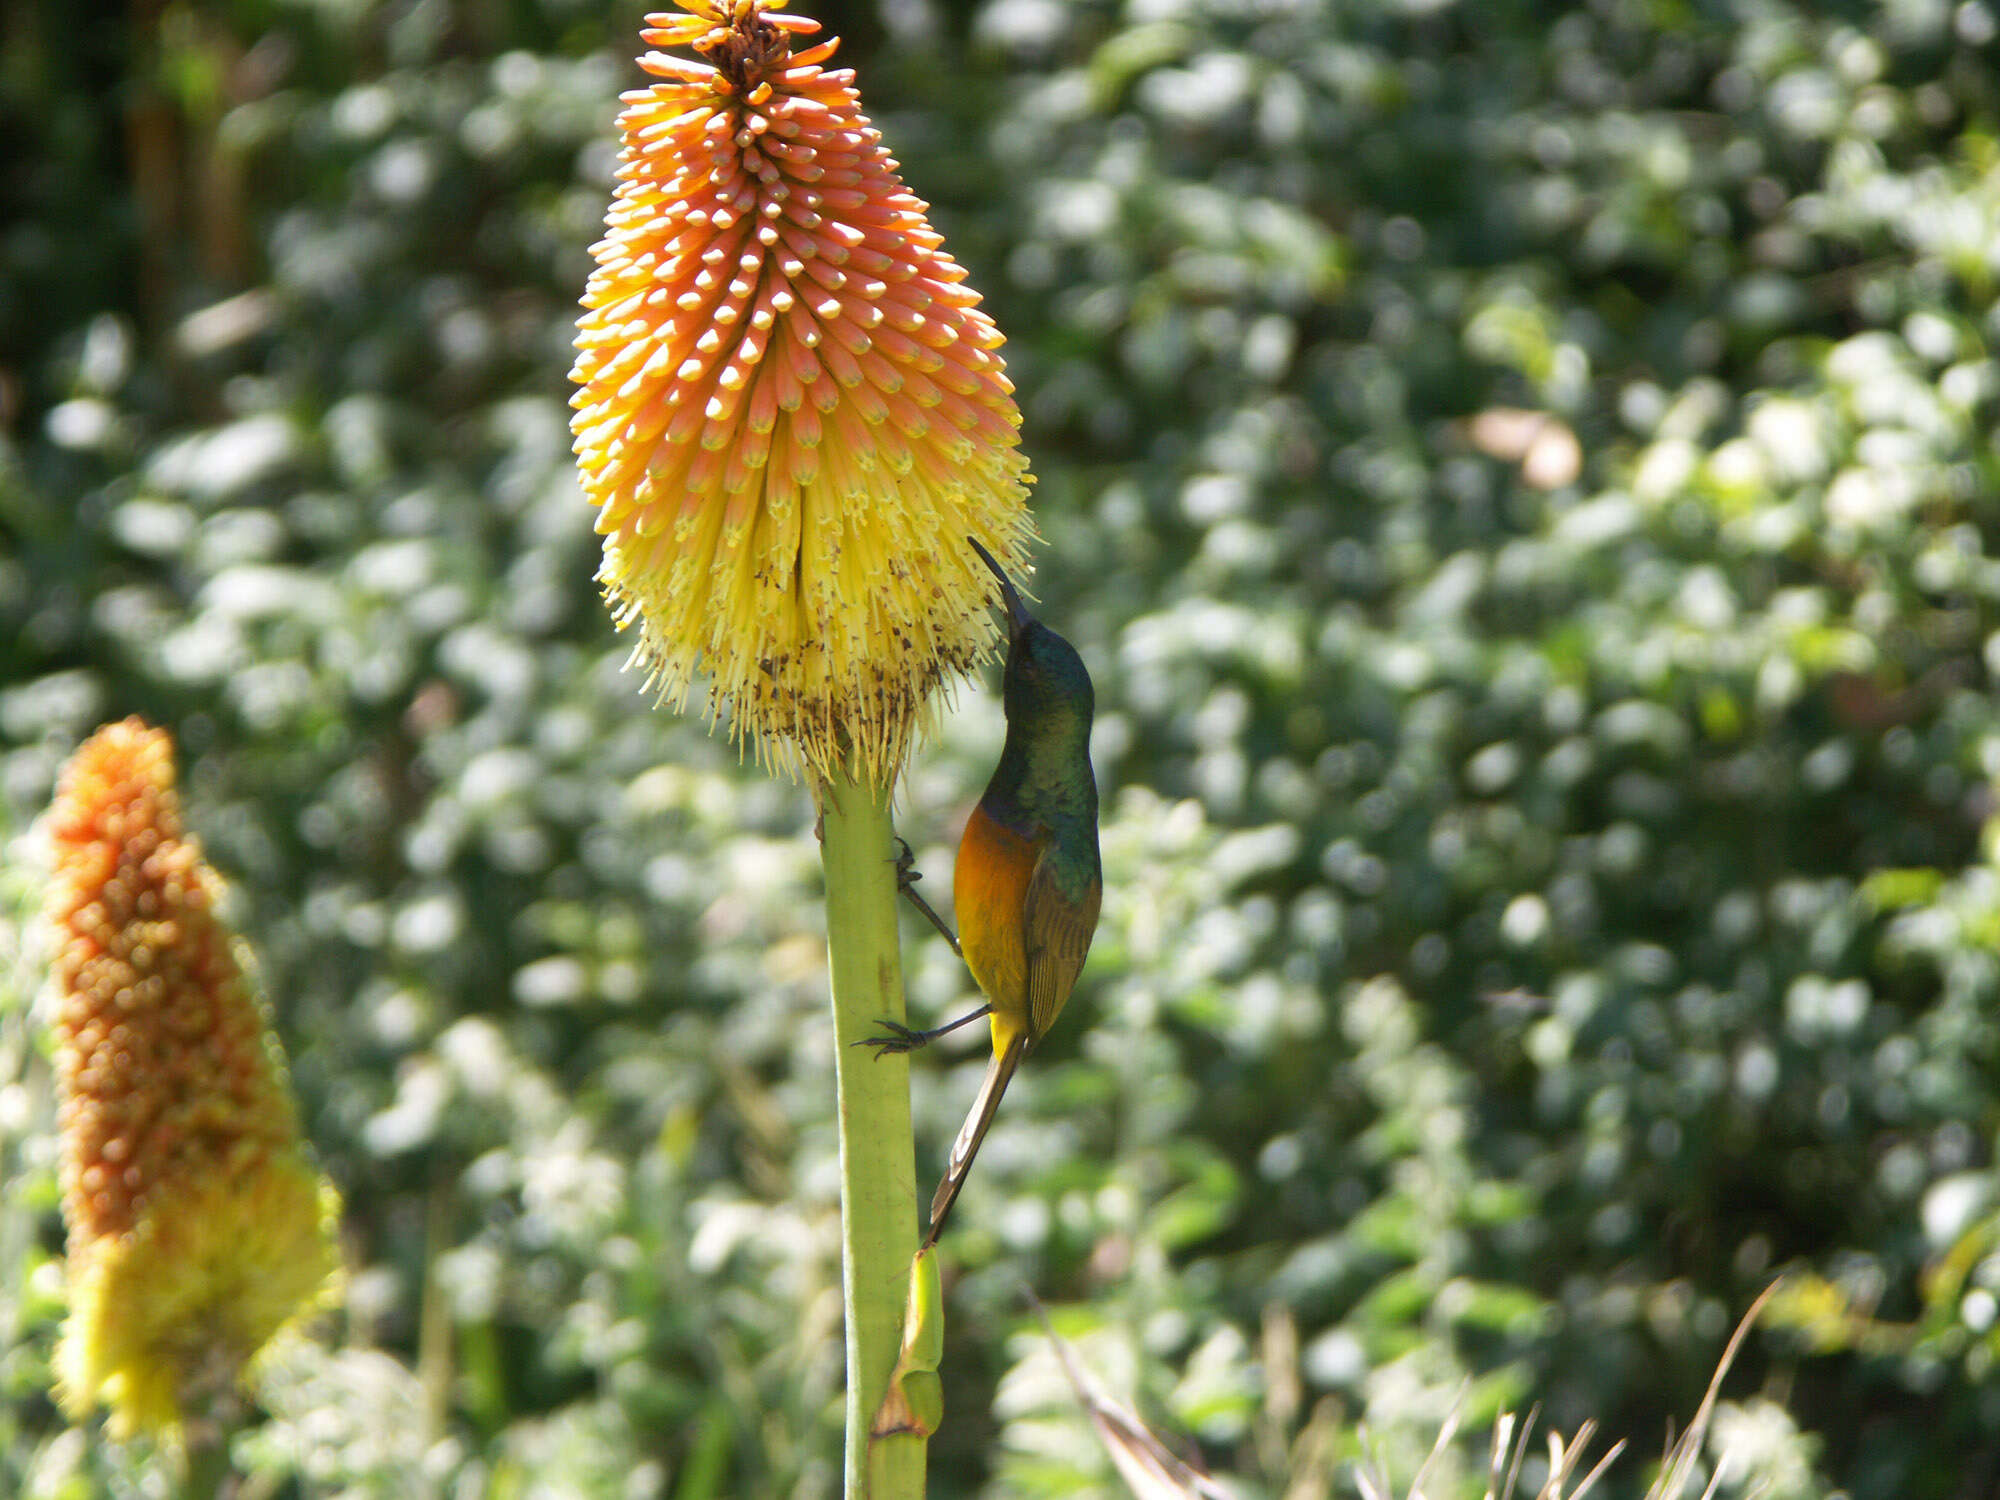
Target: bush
(1523, 483)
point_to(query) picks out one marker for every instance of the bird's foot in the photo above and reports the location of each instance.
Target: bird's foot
(907, 876)
(901, 1039)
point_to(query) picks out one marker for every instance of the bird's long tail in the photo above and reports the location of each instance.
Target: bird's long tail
(973, 1131)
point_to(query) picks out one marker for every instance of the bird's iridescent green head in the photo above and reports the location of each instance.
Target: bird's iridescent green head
(1046, 687)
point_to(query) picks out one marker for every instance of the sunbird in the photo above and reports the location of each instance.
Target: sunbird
(1028, 884)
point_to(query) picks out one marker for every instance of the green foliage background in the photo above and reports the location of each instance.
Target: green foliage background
(1547, 887)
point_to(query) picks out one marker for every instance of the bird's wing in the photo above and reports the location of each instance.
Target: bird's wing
(1058, 932)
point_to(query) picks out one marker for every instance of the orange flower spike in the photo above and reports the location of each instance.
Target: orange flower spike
(197, 1225)
(790, 409)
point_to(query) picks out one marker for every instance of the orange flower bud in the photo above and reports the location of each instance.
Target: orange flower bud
(197, 1225)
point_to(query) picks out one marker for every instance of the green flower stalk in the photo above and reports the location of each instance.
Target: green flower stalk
(198, 1226)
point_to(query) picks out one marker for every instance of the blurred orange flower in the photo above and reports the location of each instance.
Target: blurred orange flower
(791, 411)
(197, 1225)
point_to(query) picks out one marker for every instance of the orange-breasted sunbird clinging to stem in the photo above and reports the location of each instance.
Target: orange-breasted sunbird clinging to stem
(1027, 885)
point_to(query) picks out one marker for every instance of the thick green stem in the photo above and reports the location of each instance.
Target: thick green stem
(208, 1474)
(213, 1411)
(878, 1179)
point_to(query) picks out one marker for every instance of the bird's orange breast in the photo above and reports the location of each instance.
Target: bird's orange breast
(990, 892)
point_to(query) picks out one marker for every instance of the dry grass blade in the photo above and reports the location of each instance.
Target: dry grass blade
(1130, 1442)
(1377, 1488)
(1563, 1460)
(1510, 1452)
(1151, 1469)
(1678, 1466)
(1601, 1467)
(1445, 1434)
(1507, 1453)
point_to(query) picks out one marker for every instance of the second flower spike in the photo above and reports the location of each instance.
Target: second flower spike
(198, 1224)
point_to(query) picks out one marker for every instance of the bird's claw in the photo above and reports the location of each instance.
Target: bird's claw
(907, 876)
(902, 1039)
(907, 873)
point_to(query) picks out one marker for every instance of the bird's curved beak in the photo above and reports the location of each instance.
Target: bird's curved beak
(1018, 618)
